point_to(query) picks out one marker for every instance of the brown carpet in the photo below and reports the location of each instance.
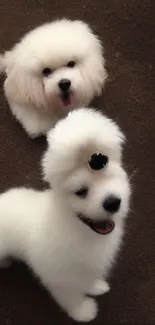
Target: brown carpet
(127, 29)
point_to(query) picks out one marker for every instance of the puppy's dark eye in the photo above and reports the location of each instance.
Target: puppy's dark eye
(46, 72)
(82, 192)
(71, 64)
(98, 161)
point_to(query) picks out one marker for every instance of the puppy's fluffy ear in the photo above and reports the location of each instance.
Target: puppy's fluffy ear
(23, 88)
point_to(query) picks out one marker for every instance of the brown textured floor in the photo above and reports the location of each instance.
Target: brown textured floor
(127, 29)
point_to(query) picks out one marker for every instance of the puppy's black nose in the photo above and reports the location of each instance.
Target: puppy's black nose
(112, 203)
(64, 84)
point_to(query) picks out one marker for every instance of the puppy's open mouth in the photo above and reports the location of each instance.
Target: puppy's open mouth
(66, 98)
(104, 227)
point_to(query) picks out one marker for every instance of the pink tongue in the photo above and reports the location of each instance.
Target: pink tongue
(107, 227)
(103, 231)
(67, 101)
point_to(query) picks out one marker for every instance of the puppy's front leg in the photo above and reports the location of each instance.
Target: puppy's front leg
(99, 287)
(34, 123)
(37, 125)
(75, 303)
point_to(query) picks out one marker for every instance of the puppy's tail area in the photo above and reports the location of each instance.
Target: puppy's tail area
(2, 63)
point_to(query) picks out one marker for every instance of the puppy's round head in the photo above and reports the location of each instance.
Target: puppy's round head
(63, 62)
(83, 165)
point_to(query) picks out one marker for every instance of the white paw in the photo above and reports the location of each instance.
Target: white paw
(86, 312)
(100, 287)
(34, 136)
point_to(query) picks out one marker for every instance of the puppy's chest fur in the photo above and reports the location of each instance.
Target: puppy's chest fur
(76, 252)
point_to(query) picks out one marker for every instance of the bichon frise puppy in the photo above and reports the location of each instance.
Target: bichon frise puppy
(54, 68)
(69, 234)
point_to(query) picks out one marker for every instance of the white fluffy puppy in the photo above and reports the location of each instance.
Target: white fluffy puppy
(69, 235)
(54, 68)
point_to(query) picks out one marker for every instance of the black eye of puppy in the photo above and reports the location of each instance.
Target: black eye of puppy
(46, 72)
(82, 192)
(98, 161)
(71, 64)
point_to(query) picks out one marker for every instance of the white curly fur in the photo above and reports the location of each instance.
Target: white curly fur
(36, 100)
(42, 228)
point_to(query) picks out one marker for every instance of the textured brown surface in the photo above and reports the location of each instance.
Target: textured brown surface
(127, 29)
